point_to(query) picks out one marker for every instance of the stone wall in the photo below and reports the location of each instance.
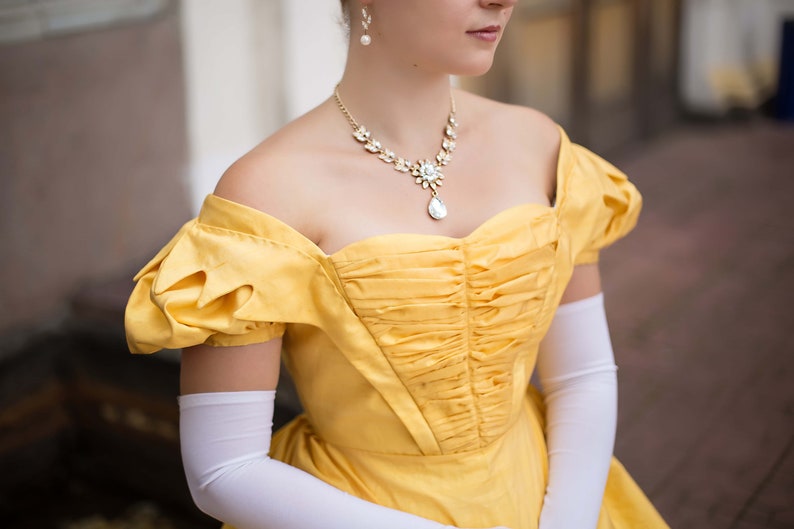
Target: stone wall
(92, 161)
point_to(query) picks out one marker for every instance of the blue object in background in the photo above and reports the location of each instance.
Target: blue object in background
(785, 92)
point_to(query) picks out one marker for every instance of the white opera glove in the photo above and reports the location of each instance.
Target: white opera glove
(576, 368)
(225, 441)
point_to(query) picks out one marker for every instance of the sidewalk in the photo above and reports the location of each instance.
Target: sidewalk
(700, 304)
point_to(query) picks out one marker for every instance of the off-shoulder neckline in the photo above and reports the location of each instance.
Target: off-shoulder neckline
(215, 211)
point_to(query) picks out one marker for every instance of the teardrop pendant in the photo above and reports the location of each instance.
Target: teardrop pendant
(427, 173)
(436, 208)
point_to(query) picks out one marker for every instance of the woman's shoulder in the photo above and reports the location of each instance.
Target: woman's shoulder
(530, 137)
(526, 140)
(283, 175)
(510, 122)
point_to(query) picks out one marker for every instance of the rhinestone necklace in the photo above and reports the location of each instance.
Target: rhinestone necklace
(428, 173)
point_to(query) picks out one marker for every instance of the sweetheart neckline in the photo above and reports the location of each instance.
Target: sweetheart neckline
(545, 210)
(449, 239)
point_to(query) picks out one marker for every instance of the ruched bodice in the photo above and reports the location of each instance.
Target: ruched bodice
(411, 353)
(457, 319)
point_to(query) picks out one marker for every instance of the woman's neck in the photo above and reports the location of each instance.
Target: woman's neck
(406, 109)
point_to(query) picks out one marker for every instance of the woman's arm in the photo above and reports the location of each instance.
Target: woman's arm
(208, 369)
(576, 369)
(226, 417)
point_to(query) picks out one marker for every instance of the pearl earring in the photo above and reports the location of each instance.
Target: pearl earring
(366, 20)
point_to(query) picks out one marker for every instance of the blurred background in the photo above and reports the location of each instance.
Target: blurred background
(118, 116)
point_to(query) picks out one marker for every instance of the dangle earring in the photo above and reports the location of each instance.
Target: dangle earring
(366, 20)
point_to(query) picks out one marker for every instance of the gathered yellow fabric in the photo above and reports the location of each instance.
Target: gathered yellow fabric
(411, 353)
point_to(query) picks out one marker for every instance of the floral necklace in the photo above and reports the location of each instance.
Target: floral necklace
(428, 173)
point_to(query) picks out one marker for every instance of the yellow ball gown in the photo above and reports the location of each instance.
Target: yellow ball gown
(411, 353)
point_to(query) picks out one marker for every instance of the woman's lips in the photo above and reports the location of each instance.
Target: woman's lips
(488, 34)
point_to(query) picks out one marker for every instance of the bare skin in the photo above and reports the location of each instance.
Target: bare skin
(315, 177)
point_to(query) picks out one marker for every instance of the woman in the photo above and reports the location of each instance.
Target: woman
(409, 315)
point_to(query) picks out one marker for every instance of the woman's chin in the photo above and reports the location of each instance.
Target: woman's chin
(474, 69)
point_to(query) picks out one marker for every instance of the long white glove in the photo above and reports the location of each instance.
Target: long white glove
(576, 369)
(225, 441)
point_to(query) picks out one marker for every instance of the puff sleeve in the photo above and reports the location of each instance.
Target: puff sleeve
(602, 205)
(221, 286)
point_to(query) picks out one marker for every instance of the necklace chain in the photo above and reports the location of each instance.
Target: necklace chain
(427, 173)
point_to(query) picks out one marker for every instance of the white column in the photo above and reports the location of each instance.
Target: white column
(233, 63)
(315, 46)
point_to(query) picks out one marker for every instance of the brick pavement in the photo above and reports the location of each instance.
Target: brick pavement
(704, 336)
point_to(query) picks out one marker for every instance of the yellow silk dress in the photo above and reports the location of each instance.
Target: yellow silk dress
(411, 353)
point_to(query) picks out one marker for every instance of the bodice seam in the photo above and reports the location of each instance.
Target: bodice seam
(469, 323)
